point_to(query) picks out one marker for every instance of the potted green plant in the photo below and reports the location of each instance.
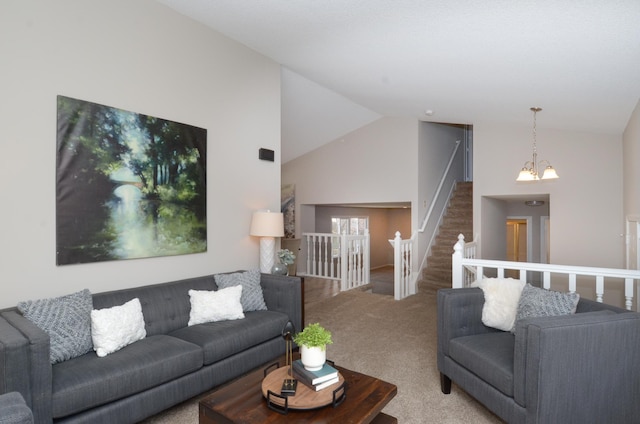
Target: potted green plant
(285, 258)
(313, 341)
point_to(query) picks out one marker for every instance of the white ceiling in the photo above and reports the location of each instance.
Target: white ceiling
(348, 62)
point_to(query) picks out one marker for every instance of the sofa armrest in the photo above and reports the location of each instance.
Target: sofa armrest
(38, 372)
(579, 368)
(14, 365)
(284, 294)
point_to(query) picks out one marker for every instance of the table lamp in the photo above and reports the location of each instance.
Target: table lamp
(267, 225)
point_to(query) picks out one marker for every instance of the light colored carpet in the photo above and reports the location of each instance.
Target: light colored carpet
(392, 340)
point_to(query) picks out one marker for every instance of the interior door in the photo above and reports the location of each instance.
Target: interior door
(517, 242)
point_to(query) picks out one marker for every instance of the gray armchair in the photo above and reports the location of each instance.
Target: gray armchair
(13, 409)
(580, 368)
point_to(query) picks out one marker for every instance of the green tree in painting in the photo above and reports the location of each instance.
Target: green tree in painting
(101, 152)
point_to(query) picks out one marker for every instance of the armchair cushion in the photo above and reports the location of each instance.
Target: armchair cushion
(501, 297)
(489, 356)
(536, 302)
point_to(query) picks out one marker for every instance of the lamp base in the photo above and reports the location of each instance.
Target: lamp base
(267, 254)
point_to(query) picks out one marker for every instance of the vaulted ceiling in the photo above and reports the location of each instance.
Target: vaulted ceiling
(348, 62)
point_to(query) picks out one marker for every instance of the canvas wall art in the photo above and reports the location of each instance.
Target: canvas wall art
(288, 208)
(128, 185)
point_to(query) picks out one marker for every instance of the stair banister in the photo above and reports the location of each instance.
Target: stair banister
(437, 195)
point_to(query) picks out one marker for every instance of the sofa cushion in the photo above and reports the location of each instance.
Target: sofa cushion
(219, 305)
(116, 327)
(88, 381)
(222, 339)
(67, 320)
(165, 306)
(489, 356)
(252, 298)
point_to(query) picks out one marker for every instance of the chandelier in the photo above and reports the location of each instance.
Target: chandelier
(530, 171)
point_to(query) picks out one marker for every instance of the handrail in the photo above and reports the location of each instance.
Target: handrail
(459, 263)
(442, 180)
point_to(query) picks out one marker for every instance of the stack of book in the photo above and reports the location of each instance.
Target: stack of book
(317, 380)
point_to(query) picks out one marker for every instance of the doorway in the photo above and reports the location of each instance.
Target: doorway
(518, 242)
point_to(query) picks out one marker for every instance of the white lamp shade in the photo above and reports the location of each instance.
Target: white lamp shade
(525, 175)
(550, 173)
(267, 224)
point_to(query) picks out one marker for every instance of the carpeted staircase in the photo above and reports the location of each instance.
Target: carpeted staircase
(458, 219)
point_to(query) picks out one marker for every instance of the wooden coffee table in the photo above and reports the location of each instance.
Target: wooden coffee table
(241, 401)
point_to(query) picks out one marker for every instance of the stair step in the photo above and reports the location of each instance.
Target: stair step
(458, 219)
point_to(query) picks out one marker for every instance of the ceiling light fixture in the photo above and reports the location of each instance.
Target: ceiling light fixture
(530, 170)
(534, 202)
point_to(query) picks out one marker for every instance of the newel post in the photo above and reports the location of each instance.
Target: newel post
(456, 264)
(397, 267)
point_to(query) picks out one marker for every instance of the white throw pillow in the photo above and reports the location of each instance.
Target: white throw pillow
(501, 297)
(116, 327)
(220, 305)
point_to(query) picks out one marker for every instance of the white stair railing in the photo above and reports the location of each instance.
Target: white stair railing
(338, 257)
(403, 282)
(462, 263)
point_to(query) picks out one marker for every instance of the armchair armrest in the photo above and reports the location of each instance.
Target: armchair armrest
(284, 294)
(13, 409)
(38, 371)
(578, 368)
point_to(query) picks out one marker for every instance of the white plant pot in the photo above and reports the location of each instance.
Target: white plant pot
(313, 358)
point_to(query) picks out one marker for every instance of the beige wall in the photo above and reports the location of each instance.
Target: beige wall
(585, 203)
(631, 163)
(364, 166)
(143, 57)
(383, 224)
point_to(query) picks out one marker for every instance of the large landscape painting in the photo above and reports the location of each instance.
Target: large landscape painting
(128, 185)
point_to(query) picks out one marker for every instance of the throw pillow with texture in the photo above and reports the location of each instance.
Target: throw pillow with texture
(116, 327)
(210, 306)
(252, 298)
(537, 302)
(67, 320)
(501, 297)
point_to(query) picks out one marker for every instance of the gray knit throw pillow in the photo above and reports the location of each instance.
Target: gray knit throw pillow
(67, 320)
(252, 298)
(536, 302)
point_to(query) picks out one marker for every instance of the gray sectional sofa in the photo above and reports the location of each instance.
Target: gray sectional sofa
(578, 368)
(173, 363)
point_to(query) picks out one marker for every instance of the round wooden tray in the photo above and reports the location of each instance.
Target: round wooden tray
(305, 397)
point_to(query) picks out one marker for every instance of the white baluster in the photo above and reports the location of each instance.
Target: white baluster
(628, 292)
(572, 283)
(599, 288)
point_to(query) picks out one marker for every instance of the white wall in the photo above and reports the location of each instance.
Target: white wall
(631, 164)
(143, 57)
(376, 163)
(437, 143)
(585, 203)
